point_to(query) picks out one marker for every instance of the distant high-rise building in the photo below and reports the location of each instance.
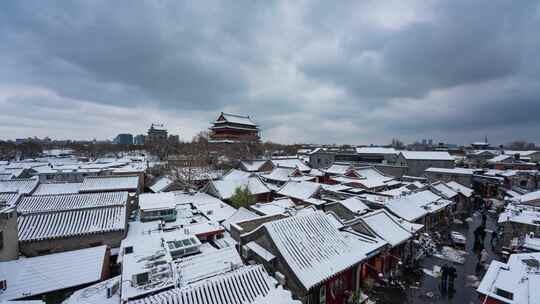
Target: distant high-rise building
(234, 128)
(123, 139)
(156, 134)
(139, 140)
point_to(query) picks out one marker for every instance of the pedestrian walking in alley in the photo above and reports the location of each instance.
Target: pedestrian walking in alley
(484, 218)
(482, 232)
(479, 235)
(444, 276)
(452, 275)
(484, 256)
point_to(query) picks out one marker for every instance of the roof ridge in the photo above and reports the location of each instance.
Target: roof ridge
(236, 115)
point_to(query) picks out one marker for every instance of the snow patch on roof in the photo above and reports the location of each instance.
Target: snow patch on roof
(37, 275)
(110, 183)
(300, 190)
(426, 155)
(313, 248)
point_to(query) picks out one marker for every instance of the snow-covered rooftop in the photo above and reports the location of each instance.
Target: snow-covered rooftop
(33, 276)
(464, 171)
(253, 165)
(313, 248)
(157, 201)
(94, 294)
(46, 203)
(401, 191)
(515, 282)
(300, 190)
(202, 266)
(355, 205)
(372, 178)
(416, 205)
(521, 153)
(530, 197)
(242, 214)
(460, 188)
(10, 198)
(335, 188)
(337, 169)
(237, 119)
(212, 208)
(57, 188)
(244, 285)
(500, 158)
(277, 206)
(291, 163)
(5, 175)
(286, 174)
(70, 223)
(445, 190)
(426, 155)
(391, 229)
(531, 243)
(110, 183)
(236, 174)
(227, 187)
(161, 184)
(18, 185)
(522, 215)
(375, 150)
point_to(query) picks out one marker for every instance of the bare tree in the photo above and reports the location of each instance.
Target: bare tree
(521, 145)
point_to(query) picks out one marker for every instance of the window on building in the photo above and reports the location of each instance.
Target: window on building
(128, 250)
(505, 294)
(1, 240)
(142, 278)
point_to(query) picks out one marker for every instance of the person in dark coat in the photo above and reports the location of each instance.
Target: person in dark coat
(477, 237)
(444, 276)
(452, 275)
(482, 232)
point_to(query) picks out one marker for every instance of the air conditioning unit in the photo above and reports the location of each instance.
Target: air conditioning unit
(280, 278)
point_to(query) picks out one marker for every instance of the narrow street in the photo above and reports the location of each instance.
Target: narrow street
(426, 288)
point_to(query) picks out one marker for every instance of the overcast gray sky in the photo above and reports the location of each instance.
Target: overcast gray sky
(331, 72)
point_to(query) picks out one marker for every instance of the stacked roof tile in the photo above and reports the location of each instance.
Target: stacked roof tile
(241, 286)
(70, 223)
(110, 183)
(35, 204)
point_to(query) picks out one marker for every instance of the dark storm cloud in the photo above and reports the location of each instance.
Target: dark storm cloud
(466, 43)
(353, 71)
(166, 52)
